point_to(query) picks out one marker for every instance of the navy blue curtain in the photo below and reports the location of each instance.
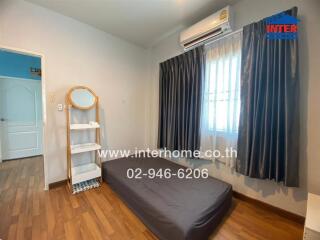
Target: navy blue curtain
(180, 101)
(268, 141)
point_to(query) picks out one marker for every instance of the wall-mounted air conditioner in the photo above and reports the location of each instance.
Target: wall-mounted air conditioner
(211, 27)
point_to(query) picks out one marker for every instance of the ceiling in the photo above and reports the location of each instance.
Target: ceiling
(142, 22)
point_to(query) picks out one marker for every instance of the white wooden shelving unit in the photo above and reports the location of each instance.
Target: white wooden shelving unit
(78, 174)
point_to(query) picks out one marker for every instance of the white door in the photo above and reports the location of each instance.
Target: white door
(20, 118)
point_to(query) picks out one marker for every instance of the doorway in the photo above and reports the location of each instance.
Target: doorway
(21, 105)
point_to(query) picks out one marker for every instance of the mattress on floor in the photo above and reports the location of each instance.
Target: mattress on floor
(171, 208)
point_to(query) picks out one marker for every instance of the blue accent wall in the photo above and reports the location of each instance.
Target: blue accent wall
(18, 65)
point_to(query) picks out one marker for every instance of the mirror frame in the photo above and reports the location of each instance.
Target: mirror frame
(77, 106)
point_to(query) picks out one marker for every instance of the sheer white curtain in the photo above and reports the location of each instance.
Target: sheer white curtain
(221, 98)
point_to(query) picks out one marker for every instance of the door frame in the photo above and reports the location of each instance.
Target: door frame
(44, 107)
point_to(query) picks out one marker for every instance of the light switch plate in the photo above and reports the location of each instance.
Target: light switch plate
(60, 107)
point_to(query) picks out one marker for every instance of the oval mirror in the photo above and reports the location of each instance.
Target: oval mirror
(82, 97)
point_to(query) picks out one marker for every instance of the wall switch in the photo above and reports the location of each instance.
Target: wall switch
(60, 107)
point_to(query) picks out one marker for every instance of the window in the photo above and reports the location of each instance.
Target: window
(221, 94)
(221, 100)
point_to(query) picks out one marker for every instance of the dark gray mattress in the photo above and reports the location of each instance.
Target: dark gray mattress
(172, 208)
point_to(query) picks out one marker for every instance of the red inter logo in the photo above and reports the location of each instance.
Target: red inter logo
(282, 26)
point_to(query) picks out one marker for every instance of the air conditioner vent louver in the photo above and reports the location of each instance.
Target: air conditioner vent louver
(207, 36)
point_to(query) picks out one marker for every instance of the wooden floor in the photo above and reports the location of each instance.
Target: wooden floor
(28, 212)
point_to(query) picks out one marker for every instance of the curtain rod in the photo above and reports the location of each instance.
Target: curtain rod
(224, 36)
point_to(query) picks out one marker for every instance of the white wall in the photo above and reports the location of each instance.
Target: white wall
(247, 11)
(77, 54)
